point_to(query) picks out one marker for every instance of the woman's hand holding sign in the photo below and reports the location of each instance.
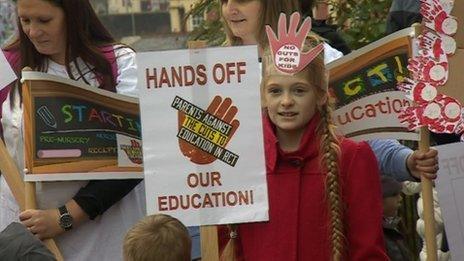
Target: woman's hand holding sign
(42, 223)
(46, 223)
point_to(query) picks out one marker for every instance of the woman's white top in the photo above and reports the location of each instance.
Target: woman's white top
(99, 239)
(331, 54)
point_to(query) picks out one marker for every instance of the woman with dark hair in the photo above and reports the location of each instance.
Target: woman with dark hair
(65, 38)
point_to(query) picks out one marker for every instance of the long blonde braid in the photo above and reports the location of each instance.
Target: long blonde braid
(330, 151)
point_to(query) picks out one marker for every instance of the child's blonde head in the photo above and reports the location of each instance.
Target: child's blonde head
(157, 237)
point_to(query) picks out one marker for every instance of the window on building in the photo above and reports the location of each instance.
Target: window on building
(196, 20)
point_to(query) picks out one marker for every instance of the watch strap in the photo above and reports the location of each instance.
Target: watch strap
(63, 210)
(66, 219)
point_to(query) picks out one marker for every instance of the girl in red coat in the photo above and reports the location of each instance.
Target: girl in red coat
(324, 191)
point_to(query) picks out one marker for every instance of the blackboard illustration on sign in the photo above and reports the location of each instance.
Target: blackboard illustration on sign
(75, 124)
(72, 128)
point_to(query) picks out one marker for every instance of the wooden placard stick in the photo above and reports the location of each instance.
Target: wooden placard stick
(427, 202)
(208, 234)
(427, 188)
(209, 243)
(24, 193)
(12, 176)
(31, 204)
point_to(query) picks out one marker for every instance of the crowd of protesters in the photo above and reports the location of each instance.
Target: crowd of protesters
(53, 38)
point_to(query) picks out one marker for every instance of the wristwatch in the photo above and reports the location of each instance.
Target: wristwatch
(66, 219)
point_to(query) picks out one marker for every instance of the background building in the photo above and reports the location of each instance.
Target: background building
(7, 20)
(124, 6)
(135, 6)
(177, 10)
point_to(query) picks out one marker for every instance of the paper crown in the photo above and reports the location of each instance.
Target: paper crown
(287, 47)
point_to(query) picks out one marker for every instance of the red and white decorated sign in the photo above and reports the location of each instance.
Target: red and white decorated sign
(437, 16)
(429, 69)
(287, 46)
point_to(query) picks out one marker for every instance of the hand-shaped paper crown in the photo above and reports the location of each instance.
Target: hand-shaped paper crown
(287, 48)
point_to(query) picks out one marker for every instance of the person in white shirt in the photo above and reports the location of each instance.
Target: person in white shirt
(65, 38)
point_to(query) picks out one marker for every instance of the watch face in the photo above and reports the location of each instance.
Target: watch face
(66, 221)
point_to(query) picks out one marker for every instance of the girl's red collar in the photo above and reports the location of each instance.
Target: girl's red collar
(308, 148)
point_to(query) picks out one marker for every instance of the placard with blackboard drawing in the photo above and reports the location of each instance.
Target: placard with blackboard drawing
(73, 131)
(7, 74)
(202, 131)
(362, 86)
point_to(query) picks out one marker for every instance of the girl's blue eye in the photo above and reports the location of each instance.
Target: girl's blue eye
(300, 89)
(274, 90)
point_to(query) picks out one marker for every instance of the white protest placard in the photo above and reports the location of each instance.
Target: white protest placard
(354, 119)
(7, 74)
(202, 135)
(450, 188)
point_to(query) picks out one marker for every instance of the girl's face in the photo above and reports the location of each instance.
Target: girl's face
(242, 17)
(291, 102)
(45, 26)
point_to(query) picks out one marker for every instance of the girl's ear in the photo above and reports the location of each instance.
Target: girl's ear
(322, 100)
